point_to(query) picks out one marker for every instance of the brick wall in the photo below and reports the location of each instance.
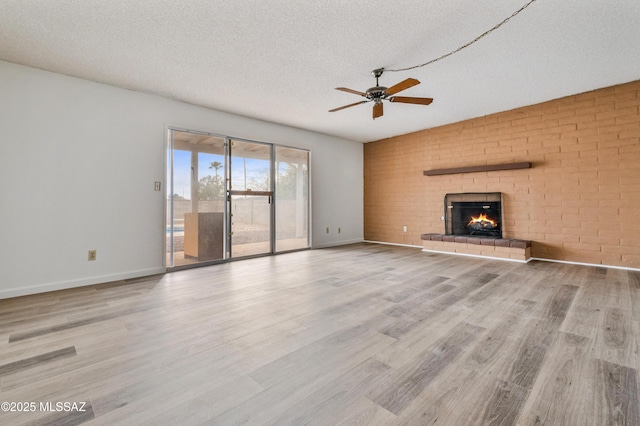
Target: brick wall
(580, 202)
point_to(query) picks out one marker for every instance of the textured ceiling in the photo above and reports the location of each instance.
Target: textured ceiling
(280, 60)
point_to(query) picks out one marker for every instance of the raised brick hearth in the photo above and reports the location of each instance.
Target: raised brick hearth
(503, 248)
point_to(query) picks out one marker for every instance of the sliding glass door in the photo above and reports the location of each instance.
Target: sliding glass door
(230, 198)
(251, 195)
(196, 207)
(292, 198)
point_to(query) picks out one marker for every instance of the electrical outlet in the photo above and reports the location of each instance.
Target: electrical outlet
(93, 254)
(404, 228)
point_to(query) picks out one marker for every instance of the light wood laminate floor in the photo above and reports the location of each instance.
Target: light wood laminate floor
(364, 334)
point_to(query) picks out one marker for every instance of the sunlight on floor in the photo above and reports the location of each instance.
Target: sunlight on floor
(249, 249)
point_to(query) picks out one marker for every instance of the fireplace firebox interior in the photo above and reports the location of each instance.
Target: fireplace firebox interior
(474, 214)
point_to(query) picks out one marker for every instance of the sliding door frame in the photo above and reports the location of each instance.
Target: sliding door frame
(228, 255)
(269, 193)
(169, 207)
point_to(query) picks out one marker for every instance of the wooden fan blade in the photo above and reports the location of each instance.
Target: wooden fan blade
(410, 100)
(377, 110)
(347, 106)
(403, 85)
(355, 92)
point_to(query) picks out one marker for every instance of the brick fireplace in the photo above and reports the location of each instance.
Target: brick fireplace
(578, 203)
(473, 227)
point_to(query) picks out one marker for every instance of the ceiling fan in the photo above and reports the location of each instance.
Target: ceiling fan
(379, 93)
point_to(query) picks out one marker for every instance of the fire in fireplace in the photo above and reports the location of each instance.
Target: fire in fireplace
(474, 214)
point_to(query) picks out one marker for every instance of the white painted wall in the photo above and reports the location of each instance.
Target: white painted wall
(78, 161)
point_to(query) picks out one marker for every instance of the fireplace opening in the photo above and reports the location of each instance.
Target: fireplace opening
(473, 214)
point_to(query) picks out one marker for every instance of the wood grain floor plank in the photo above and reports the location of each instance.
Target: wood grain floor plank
(405, 384)
(615, 394)
(583, 320)
(502, 286)
(414, 306)
(584, 317)
(537, 341)
(532, 351)
(36, 360)
(622, 393)
(467, 385)
(487, 305)
(634, 292)
(504, 404)
(364, 412)
(325, 351)
(618, 289)
(15, 337)
(356, 334)
(615, 341)
(291, 390)
(555, 397)
(335, 397)
(545, 280)
(185, 400)
(562, 300)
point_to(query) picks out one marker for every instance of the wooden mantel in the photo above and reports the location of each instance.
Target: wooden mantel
(481, 168)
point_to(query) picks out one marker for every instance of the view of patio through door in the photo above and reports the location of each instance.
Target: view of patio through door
(196, 206)
(251, 198)
(229, 198)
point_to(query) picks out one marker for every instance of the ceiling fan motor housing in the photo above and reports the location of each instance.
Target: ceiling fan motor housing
(377, 92)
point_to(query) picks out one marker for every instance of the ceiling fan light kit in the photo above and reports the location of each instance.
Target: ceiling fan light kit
(379, 93)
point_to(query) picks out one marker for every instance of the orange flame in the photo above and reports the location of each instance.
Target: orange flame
(483, 220)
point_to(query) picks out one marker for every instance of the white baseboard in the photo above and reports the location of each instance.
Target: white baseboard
(336, 243)
(597, 265)
(479, 256)
(392, 244)
(63, 285)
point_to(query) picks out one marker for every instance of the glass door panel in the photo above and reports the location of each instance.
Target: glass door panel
(196, 226)
(251, 198)
(292, 198)
(230, 198)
